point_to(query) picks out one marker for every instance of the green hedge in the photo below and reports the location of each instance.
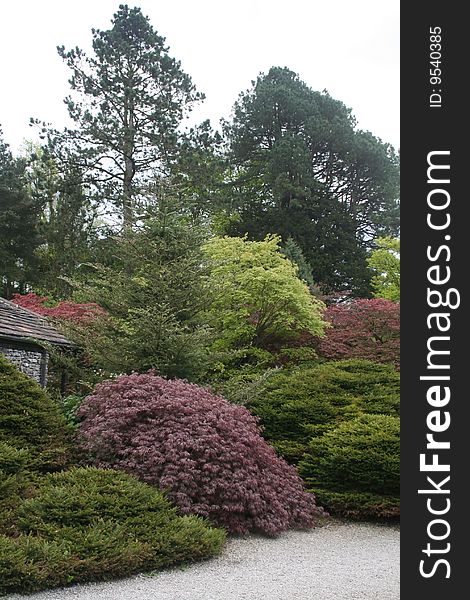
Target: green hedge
(339, 423)
(299, 404)
(354, 469)
(12, 465)
(89, 524)
(30, 420)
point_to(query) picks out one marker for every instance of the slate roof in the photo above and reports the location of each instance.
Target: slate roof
(21, 324)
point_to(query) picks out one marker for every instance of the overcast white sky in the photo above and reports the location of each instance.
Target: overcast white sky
(350, 48)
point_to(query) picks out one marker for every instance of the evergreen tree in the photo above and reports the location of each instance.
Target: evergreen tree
(303, 170)
(19, 220)
(294, 253)
(199, 177)
(66, 222)
(149, 284)
(129, 99)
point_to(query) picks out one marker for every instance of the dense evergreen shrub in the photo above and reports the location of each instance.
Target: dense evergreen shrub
(13, 482)
(355, 467)
(206, 452)
(30, 420)
(301, 403)
(88, 524)
(360, 505)
(12, 464)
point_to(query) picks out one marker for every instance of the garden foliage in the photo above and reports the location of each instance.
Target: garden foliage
(30, 420)
(256, 296)
(61, 311)
(206, 452)
(301, 403)
(339, 423)
(367, 329)
(304, 170)
(385, 264)
(354, 469)
(13, 482)
(120, 217)
(88, 524)
(150, 288)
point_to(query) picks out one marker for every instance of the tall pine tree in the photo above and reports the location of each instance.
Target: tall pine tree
(303, 170)
(128, 101)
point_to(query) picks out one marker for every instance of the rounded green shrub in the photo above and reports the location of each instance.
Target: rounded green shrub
(305, 402)
(30, 420)
(12, 482)
(354, 468)
(12, 464)
(91, 524)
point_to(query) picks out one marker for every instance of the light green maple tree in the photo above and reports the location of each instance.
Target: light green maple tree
(255, 295)
(385, 263)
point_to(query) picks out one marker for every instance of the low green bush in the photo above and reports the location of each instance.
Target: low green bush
(359, 505)
(354, 469)
(239, 365)
(305, 402)
(90, 524)
(30, 420)
(13, 482)
(12, 464)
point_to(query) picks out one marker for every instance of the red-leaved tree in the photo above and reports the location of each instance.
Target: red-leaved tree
(65, 310)
(368, 329)
(208, 453)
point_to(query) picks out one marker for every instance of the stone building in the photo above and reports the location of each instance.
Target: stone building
(24, 336)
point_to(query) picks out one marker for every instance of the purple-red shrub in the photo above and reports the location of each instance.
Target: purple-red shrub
(63, 311)
(365, 329)
(206, 452)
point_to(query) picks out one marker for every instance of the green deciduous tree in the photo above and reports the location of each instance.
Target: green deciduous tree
(256, 298)
(129, 98)
(385, 264)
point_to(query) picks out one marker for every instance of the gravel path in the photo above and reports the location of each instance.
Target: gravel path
(340, 561)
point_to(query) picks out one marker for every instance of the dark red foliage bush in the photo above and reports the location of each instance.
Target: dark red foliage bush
(206, 452)
(65, 310)
(366, 329)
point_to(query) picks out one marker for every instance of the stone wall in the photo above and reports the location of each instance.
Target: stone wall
(29, 359)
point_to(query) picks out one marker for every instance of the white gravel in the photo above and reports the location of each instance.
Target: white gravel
(340, 561)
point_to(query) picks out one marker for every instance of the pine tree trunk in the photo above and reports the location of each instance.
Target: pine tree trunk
(129, 172)
(127, 208)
